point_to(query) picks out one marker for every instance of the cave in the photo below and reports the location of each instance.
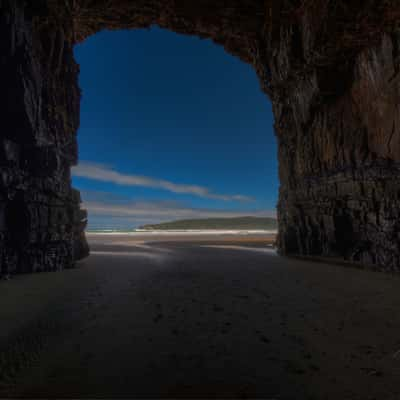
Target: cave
(330, 69)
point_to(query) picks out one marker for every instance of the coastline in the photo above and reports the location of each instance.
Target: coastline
(183, 232)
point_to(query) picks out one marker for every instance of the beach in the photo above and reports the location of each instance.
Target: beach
(200, 316)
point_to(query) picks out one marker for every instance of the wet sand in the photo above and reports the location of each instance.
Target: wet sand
(200, 317)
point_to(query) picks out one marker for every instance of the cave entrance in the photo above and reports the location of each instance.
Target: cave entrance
(337, 143)
(172, 127)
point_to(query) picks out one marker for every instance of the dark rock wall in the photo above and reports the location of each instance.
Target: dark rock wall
(329, 67)
(338, 127)
(39, 211)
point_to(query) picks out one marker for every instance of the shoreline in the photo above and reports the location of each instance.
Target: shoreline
(186, 232)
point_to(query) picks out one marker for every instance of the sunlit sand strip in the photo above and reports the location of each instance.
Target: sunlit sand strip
(245, 248)
(139, 254)
(140, 245)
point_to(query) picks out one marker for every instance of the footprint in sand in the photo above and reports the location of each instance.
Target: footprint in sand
(217, 308)
(262, 337)
(158, 318)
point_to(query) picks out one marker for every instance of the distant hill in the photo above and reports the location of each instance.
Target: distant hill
(248, 223)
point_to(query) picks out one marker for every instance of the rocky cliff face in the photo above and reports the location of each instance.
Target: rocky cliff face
(40, 220)
(329, 67)
(339, 137)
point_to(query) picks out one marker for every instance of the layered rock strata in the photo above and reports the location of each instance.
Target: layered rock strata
(40, 219)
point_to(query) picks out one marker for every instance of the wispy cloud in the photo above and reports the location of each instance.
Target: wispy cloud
(105, 173)
(106, 206)
(155, 211)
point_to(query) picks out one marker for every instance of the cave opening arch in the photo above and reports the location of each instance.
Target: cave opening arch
(338, 144)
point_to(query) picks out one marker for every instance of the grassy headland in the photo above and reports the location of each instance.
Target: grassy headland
(249, 223)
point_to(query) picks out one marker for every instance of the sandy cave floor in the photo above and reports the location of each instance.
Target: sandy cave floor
(203, 318)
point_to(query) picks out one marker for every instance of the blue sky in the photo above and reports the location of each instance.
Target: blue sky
(171, 127)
